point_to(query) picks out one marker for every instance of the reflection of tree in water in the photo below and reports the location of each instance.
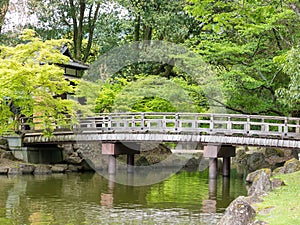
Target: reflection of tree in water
(89, 198)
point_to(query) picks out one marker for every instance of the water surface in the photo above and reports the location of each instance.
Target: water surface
(184, 198)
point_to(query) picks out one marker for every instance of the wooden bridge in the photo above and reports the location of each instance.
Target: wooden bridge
(228, 129)
(219, 133)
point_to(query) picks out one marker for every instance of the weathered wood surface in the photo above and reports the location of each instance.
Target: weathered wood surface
(187, 127)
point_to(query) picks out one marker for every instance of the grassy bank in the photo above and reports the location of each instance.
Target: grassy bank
(282, 205)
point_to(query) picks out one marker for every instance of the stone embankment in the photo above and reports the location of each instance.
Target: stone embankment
(242, 210)
(80, 157)
(250, 159)
(9, 165)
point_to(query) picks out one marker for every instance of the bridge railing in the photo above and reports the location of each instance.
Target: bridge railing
(223, 124)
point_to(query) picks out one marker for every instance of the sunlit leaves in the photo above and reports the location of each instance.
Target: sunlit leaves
(31, 82)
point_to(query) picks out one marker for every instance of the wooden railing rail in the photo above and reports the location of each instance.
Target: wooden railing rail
(222, 124)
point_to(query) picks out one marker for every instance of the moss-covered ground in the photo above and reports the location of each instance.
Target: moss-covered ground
(282, 205)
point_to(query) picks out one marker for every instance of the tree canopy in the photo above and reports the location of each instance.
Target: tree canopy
(243, 39)
(252, 46)
(31, 83)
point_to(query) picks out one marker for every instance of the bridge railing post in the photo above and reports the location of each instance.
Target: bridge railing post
(297, 127)
(109, 122)
(229, 123)
(133, 121)
(247, 126)
(142, 121)
(211, 123)
(176, 124)
(285, 130)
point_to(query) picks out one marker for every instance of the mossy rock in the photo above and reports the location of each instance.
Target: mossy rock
(278, 170)
(3, 143)
(291, 166)
(257, 161)
(241, 156)
(273, 152)
(142, 161)
(6, 155)
(251, 177)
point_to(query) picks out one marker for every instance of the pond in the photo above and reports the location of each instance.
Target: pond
(88, 198)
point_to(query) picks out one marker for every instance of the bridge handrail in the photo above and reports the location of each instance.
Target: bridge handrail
(200, 123)
(228, 124)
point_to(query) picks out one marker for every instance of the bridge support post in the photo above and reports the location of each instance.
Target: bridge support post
(213, 152)
(130, 163)
(113, 149)
(112, 164)
(213, 168)
(226, 166)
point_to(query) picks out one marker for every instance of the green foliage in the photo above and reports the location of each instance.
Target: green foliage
(241, 38)
(153, 104)
(31, 83)
(150, 94)
(78, 18)
(157, 19)
(290, 95)
(153, 87)
(108, 94)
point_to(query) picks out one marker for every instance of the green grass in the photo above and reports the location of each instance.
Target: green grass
(283, 203)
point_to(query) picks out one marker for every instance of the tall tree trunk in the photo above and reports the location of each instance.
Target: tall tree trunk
(137, 25)
(82, 6)
(75, 27)
(3, 10)
(147, 33)
(92, 23)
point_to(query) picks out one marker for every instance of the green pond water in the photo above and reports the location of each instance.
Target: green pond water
(88, 198)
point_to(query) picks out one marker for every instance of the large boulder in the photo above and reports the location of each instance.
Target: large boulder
(257, 161)
(27, 168)
(42, 170)
(59, 168)
(241, 156)
(260, 182)
(14, 170)
(277, 182)
(3, 170)
(74, 159)
(277, 152)
(290, 166)
(239, 212)
(74, 168)
(4, 154)
(142, 161)
(4, 144)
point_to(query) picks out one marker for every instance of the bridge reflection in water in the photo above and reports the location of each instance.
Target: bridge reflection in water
(90, 199)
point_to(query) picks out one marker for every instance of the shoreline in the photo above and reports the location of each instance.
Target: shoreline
(247, 210)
